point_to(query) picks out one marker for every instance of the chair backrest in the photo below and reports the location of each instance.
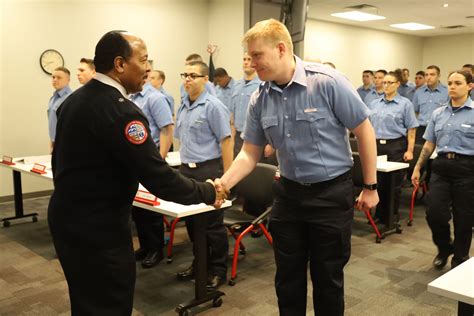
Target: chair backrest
(357, 176)
(256, 188)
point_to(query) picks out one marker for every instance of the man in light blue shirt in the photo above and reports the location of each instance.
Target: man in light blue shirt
(225, 86)
(203, 128)
(149, 224)
(303, 110)
(367, 83)
(429, 98)
(157, 79)
(240, 100)
(406, 89)
(377, 91)
(61, 77)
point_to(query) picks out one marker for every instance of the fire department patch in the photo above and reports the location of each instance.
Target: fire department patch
(136, 133)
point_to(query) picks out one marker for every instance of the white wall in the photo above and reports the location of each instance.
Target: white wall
(226, 29)
(448, 52)
(171, 28)
(354, 49)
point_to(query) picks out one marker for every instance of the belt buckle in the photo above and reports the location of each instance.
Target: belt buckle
(192, 165)
(383, 141)
(451, 155)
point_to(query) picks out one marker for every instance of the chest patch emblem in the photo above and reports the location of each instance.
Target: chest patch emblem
(136, 133)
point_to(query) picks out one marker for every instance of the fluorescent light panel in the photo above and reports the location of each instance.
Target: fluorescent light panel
(412, 26)
(358, 16)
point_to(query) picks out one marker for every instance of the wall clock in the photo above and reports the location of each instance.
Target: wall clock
(51, 59)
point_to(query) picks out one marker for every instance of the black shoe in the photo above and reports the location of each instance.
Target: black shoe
(214, 281)
(152, 259)
(140, 254)
(441, 260)
(186, 275)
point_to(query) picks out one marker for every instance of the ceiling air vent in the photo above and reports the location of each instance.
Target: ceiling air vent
(361, 7)
(453, 27)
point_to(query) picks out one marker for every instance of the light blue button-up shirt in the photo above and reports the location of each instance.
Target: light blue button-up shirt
(156, 109)
(407, 90)
(210, 88)
(240, 100)
(200, 127)
(372, 95)
(306, 122)
(426, 101)
(363, 92)
(169, 99)
(452, 130)
(54, 102)
(225, 94)
(392, 119)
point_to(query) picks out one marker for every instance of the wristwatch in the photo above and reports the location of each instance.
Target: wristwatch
(370, 186)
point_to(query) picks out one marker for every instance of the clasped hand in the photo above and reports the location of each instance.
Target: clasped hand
(221, 192)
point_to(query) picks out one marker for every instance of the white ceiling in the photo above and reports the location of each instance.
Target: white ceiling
(430, 12)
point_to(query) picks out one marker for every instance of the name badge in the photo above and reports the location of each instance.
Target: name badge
(146, 198)
(7, 160)
(466, 125)
(38, 168)
(192, 165)
(310, 110)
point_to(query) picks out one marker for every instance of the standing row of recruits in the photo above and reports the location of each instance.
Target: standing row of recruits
(314, 198)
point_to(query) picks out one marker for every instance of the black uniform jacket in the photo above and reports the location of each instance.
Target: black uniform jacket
(103, 149)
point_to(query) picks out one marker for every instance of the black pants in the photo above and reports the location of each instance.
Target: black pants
(394, 149)
(452, 188)
(312, 224)
(420, 130)
(101, 281)
(217, 242)
(150, 229)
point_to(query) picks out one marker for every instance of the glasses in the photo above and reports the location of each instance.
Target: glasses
(388, 83)
(192, 76)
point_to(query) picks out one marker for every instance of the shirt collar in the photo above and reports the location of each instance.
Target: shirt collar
(299, 76)
(396, 99)
(200, 100)
(111, 82)
(468, 104)
(437, 88)
(62, 91)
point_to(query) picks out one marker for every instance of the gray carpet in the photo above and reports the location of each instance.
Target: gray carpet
(389, 278)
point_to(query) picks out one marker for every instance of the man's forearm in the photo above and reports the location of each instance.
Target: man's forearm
(166, 139)
(367, 150)
(227, 145)
(411, 139)
(425, 154)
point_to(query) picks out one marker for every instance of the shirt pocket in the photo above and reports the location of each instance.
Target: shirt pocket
(199, 131)
(308, 122)
(467, 135)
(271, 131)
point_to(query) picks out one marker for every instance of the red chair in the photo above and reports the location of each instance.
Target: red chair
(255, 192)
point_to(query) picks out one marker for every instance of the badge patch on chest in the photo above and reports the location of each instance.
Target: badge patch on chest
(136, 133)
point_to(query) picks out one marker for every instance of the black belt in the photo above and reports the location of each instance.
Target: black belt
(390, 141)
(318, 185)
(452, 155)
(193, 165)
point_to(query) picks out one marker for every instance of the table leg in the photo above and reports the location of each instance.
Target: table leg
(465, 309)
(18, 197)
(392, 223)
(200, 269)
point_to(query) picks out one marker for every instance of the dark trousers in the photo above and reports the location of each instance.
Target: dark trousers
(150, 229)
(394, 149)
(420, 130)
(217, 242)
(101, 281)
(311, 224)
(452, 188)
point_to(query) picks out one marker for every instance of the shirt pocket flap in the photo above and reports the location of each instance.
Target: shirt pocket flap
(269, 121)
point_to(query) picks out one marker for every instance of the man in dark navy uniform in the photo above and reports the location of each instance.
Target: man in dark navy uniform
(103, 150)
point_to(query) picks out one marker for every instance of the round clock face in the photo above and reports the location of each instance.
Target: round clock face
(51, 59)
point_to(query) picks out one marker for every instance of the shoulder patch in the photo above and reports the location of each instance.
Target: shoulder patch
(136, 133)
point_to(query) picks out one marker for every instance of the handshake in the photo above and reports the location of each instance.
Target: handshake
(221, 192)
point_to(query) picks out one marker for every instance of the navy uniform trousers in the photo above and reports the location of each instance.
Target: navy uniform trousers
(312, 223)
(451, 194)
(394, 149)
(217, 242)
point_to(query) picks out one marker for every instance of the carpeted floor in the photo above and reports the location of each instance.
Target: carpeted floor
(381, 279)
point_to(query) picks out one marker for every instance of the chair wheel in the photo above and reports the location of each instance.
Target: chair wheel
(169, 260)
(242, 251)
(232, 282)
(35, 219)
(185, 313)
(378, 240)
(217, 302)
(410, 223)
(6, 223)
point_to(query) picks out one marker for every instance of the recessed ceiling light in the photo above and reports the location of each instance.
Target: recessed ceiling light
(358, 16)
(445, 5)
(412, 26)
